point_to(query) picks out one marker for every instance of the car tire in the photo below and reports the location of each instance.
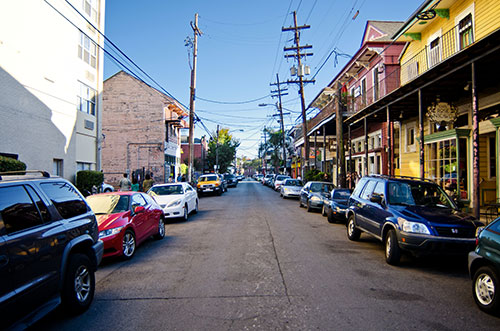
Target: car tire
(185, 216)
(220, 191)
(323, 211)
(484, 289)
(352, 232)
(329, 217)
(309, 209)
(392, 250)
(128, 245)
(79, 284)
(107, 190)
(300, 202)
(161, 229)
(195, 211)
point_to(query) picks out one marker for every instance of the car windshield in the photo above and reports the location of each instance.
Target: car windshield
(167, 189)
(418, 194)
(208, 178)
(342, 194)
(293, 182)
(108, 204)
(321, 187)
(281, 177)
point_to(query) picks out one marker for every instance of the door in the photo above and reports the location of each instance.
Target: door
(362, 215)
(376, 213)
(34, 247)
(141, 220)
(190, 197)
(304, 192)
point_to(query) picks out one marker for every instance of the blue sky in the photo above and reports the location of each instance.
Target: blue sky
(240, 52)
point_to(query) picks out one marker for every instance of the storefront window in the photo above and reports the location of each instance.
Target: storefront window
(446, 164)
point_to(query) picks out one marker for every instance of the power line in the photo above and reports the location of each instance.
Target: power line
(233, 102)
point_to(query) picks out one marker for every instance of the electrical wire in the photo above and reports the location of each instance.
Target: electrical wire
(233, 102)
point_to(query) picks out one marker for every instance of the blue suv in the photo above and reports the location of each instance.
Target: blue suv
(409, 214)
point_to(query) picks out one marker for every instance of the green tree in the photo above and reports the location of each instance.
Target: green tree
(273, 146)
(222, 147)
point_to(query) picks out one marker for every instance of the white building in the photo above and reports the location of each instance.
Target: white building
(51, 78)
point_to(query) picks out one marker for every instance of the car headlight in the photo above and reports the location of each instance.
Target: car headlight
(110, 232)
(175, 203)
(413, 227)
(339, 209)
(315, 198)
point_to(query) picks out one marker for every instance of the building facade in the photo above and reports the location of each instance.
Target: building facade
(141, 128)
(51, 74)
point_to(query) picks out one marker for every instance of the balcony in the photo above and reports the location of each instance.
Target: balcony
(438, 51)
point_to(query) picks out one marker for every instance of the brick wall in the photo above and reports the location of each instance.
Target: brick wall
(134, 128)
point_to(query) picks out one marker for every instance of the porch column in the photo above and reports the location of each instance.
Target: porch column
(315, 149)
(475, 143)
(351, 171)
(323, 161)
(389, 139)
(366, 148)
(421, 129)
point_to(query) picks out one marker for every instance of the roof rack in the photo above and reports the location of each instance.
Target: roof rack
(402, 177)
(19, 173)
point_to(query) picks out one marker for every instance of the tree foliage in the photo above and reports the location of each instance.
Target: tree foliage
(273, 147)
(225, 146)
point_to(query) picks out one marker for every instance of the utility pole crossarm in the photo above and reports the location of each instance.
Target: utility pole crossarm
(299, 55)
(295, 48)
(293, 28)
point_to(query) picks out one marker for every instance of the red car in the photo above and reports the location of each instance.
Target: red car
(125, 220)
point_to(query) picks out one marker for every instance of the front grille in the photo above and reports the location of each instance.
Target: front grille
(455, 232)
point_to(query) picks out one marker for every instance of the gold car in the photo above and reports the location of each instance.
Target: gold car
(210, 184)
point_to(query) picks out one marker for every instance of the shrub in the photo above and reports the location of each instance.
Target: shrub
(86, 179)
(315, 175)
(10, 164)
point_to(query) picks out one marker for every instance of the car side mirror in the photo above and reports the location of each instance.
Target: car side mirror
(139, 209)
(377, 198)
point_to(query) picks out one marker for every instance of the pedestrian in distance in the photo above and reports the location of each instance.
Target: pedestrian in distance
(125, 184)
(147, 183)
(179, 178)
(135, 185)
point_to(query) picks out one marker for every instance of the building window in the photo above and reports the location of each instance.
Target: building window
(57, 167)
(87, 50)
(89, 7)
(434, 52)
(363, 91)
(83, 166)
(86, 100)
(465, 31)
(410, 138)
(492, 157)
(375, 84)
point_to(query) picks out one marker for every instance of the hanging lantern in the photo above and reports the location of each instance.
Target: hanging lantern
(439, 112)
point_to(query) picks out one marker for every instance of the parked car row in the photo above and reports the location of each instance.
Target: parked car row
(412, 216)
(67, 235)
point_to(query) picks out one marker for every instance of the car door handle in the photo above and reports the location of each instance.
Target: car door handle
(3, 260)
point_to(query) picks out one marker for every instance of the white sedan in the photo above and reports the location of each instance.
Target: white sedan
(176, 199)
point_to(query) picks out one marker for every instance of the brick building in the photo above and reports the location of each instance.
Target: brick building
(200, 153)
(141, 128)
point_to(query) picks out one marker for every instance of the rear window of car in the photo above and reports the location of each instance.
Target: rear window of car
(208, 178)
(292, 182)
(342, 194)
(65, 198)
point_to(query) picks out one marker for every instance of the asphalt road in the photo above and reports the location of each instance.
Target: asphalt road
(251, 260)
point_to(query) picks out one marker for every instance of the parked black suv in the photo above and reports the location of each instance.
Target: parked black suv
(409, 214)
(49, 248)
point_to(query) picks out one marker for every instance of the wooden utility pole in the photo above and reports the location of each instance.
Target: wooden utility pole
(197, 32)
(341, 173)
(298, 55)
(280, 108)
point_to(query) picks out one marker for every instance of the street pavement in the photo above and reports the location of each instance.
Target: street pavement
(251, 260)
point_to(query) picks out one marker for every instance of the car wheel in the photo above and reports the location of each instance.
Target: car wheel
(309, 209)
(352, 233)
(300, 202)
(107, 190)
(185, 214)
(329, 217)
(128, 245)
(392, 250)
(323, 211)
(484, 286)
(79, 284)
(161, 229)
(195, 211)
